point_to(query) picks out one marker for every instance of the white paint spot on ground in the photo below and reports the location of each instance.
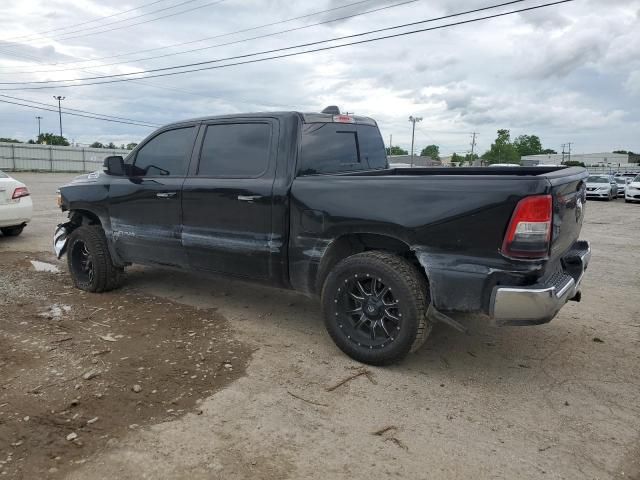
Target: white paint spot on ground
(44, 267)
(55, 311)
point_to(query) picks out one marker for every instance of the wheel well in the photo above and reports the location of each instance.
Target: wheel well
(348, 245)
(84, 217)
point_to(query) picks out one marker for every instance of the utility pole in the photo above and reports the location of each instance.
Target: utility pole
(473, 147)
(38, 118)
(569, 145)
(563, 146)
(59, 98)
(413, 120)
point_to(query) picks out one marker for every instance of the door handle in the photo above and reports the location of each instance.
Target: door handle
(166, 194)
(249, 198)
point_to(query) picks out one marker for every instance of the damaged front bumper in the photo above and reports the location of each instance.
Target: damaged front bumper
(539, 303)
(60, 239)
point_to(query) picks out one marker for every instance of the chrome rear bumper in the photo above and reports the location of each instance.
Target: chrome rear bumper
(539, 303)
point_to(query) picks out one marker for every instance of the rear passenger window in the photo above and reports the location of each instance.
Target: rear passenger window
(165, 154)
(235, 150)
(337, 147)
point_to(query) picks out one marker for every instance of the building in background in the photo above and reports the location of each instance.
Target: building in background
(589, 159)
(418, 161)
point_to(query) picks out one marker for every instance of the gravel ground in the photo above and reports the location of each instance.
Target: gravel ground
(553, 401)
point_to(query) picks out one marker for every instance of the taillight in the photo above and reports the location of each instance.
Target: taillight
(529, 231)
(20, 192)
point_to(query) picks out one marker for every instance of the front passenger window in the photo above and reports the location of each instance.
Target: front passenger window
(167, 154)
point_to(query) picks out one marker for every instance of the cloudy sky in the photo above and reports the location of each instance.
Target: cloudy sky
(568, 73)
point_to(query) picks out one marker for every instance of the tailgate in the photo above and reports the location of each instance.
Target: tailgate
(568, 190)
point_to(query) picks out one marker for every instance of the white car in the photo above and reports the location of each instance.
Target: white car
(632, 192)
(602, 186)
(15, 205)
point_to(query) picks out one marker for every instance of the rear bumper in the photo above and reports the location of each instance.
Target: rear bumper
(16, 213)
(536, 304)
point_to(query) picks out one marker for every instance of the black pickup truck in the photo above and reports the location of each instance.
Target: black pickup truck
(307, 201)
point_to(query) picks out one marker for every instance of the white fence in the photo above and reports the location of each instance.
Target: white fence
(52, 158)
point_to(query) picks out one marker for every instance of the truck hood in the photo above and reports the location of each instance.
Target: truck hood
(92, 177)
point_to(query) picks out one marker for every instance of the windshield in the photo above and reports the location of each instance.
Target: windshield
(597, 180)
(637, 179)
(621, 180)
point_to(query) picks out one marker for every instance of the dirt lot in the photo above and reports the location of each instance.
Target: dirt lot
(237, 380)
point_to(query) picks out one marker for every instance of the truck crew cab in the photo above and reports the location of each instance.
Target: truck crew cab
(307, 201)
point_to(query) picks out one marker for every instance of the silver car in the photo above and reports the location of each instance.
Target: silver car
(622, 184)
(602, 186)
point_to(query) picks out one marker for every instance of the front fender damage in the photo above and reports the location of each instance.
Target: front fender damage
(61, 238)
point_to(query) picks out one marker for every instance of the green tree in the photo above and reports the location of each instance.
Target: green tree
(624, 152)
(395, 151)
(51, 139)
(96, 145)
(132, 145)
(528, 145)
(573, 163)
(431, 151)
(502, 150)
(549, 151)
(456, 160)
(9, 140)
(110, 145)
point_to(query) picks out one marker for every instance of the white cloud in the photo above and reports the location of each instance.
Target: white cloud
(563, 73)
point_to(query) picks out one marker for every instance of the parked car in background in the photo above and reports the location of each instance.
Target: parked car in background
(602, 186)
(15, 205)
(632, 192)
(622, 184)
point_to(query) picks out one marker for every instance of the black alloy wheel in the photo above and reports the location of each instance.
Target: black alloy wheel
(374, 305)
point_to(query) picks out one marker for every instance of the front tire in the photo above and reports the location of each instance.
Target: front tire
(89, 260)
(374, 305)
(12, 231)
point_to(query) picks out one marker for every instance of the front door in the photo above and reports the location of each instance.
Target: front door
(145, 206)
(227, 200)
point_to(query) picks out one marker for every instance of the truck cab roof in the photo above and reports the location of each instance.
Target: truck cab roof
(303, 117)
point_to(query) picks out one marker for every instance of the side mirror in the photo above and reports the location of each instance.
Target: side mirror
(114, 165)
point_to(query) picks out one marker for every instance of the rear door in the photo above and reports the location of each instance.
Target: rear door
(145, 206)
(227, 200)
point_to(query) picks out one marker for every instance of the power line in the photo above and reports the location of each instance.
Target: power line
(65, 37)
(187, 92)
(81, 111)
(54, 109)
(331, 47)
(215, 36)
(33, 35)
(238, 41)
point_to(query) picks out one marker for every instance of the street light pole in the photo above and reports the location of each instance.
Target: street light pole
(413, 120)
(38, 118)
(59, 98)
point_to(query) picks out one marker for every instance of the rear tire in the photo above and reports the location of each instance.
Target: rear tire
(12, 231)
(89, 260)
(374, 306)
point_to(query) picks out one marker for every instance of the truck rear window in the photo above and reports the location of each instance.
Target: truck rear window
(340, 147)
